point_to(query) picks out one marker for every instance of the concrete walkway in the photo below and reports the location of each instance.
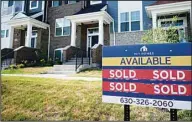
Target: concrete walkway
(56, 76)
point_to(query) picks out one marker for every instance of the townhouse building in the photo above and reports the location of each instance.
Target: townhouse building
(65, 28)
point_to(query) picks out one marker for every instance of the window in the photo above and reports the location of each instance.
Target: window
(10, 3)
(71, 1)
(130, 21)
(7, 33)
(62, 27)
(34, 39)
(124, 21)
(59, 25)
(171, 23)
(34, 4)
(96, 2)
(4, 33)
(55, 3)
(135, 20)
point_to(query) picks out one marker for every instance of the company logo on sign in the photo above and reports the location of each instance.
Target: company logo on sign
(143, 49)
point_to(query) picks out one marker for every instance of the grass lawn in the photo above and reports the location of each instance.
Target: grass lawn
(90, 73)
(27, 70)
(50, 99)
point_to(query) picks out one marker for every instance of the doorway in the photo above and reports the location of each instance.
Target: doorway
(33, 39)
(92, 39)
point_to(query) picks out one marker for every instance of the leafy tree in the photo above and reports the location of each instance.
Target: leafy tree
(162, 35)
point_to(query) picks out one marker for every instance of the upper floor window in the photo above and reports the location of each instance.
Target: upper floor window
(71, 1)
(124, 21)
(130, 22)
(34, 4)
(10, 3)
(55, 3)
(135, 20)
(96, 2)
(62, 27)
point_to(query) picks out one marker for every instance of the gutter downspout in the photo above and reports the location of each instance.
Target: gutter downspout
(46, 9)
(48, 43)
(114, 38)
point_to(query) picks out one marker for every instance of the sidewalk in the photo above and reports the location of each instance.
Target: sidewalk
(56, 76)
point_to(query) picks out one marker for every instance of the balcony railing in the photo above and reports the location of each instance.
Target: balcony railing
(18, 6)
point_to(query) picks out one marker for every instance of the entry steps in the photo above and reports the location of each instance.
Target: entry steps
(69, 67)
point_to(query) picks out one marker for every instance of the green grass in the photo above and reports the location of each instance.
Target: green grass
(89, 73)
(51, 99)
(28, 70)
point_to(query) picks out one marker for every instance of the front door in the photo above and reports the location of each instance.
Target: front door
(92, 40)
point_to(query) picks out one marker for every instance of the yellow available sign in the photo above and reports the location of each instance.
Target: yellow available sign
(148, 61)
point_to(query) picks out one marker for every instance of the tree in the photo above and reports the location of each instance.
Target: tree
(162, 35)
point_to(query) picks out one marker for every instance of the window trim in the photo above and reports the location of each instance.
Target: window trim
(130, 21)
(35, 6)
(92, 2)
(62, 28)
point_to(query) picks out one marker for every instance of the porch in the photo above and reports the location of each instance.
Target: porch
(162, 16)
(93, 30)
(26, 31)
(26, 36)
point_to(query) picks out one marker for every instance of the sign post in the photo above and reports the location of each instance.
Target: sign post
(154, 75)
(173, 114)
(126, 113)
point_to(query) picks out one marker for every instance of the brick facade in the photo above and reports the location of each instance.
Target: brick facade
(60, 12)
(81, 33)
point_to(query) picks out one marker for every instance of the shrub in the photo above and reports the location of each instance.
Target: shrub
(20, 66)
(12, 67)
(49, 62)
(162, 35)
(58, 62)
(42, 62)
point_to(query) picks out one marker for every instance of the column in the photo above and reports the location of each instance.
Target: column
(29, 32)
(73, 34)
(101, 40)
(190, 20)
(154, 20)
(11, 35)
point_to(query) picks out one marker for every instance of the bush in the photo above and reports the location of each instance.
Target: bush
(12, 67)
(20, 66)
(42, 62)
(162, 35)
(58, 62)
(49, 62)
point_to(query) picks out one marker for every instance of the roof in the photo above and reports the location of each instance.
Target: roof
(159, 2)
(93, 8)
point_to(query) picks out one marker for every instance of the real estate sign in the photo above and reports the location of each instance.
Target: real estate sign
(156, 75)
